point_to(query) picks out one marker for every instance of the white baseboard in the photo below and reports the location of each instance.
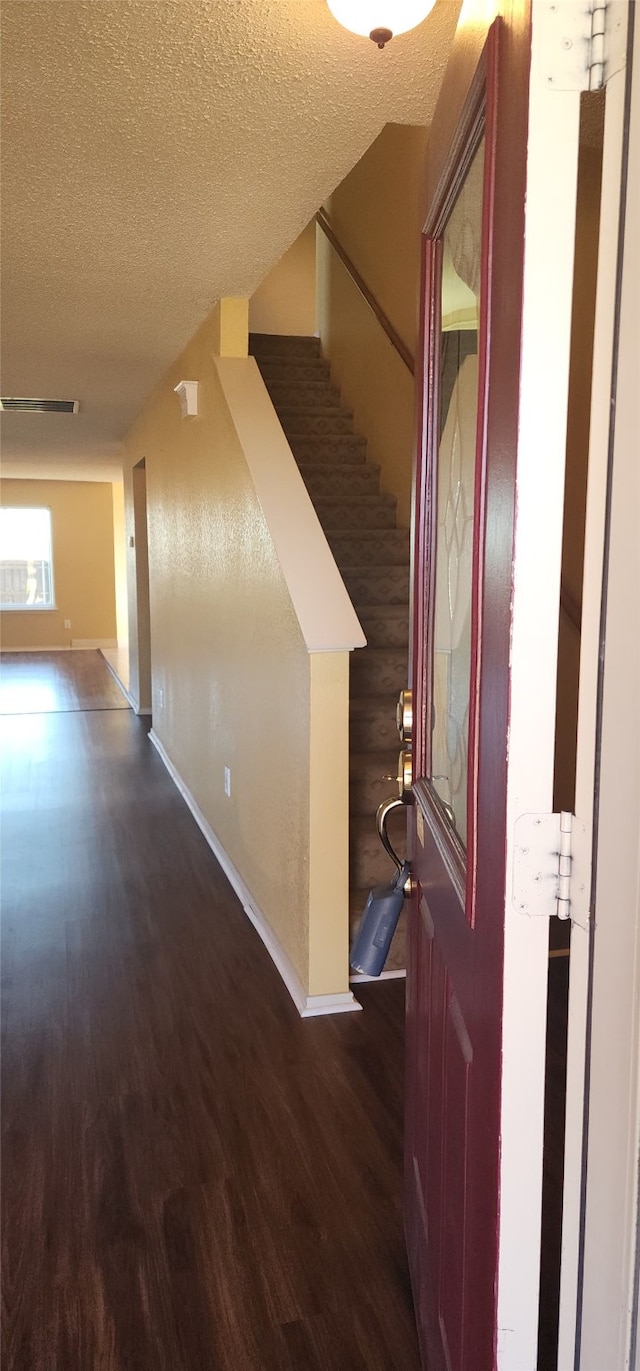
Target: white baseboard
(85, 643)
(308, 1006)
(76, 645)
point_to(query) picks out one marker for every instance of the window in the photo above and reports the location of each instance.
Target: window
(26, 567)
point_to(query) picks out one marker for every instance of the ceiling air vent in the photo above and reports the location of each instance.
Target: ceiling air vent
(40, 406)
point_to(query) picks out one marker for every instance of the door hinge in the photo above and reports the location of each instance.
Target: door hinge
(550, 859)
(596, 49)
(582, 44)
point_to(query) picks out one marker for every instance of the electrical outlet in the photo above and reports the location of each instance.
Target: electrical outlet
(67, 623)
(161, 698)
(227, 781)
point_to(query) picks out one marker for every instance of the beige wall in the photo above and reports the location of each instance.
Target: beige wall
(285, 302)
(231, 675)
(120, 564)
(376, 215)
(83, 565)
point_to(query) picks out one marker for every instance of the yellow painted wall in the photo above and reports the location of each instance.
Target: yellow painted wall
(231, 675)
(83, 565)
(285, 302)
(120, 563)
(376, 215)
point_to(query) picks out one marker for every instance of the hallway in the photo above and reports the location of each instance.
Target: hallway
(195, 1179)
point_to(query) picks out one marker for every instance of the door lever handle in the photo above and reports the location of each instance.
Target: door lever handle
(382, 814)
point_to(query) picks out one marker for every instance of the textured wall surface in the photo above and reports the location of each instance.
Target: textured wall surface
(285, 302)
(159, 156)
(231, 673)
(83, 564)
(376, 212)
(376, 215)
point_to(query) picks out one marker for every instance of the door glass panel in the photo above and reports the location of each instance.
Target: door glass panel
(455, 485)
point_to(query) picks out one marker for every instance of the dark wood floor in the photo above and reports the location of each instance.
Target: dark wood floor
(55, 682)
(194, 1177)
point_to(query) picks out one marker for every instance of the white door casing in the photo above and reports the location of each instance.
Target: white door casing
(601, 1164)
(552, 162)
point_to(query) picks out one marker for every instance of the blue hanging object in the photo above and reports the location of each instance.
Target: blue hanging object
(378, 925)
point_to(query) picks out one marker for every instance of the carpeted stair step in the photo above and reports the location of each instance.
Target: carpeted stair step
(370, 547)
(386, 585)
(372, 779)
(328, 447)
(356, 512)
(293, 369)
(330, 479)
(385, 625)
(283, 345)
(315, 422)
(379, 671)
(304, 395)
(372, 723)
(396, 960)
(369, 863)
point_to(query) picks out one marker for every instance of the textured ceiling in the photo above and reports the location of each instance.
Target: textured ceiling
(157, 155)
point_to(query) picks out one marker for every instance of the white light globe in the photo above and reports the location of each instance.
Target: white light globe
(371, 18)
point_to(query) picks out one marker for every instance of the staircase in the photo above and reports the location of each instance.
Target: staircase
(372, 553)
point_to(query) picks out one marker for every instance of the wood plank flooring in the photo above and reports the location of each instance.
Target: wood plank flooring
(56, 682)
(195, 1179)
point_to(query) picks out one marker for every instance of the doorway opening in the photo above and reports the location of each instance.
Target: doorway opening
(140, 642)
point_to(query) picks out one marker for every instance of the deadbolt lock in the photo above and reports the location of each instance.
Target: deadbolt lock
(404, 717)
(405, 775)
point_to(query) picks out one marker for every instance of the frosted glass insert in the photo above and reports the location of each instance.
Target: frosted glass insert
(455, 486)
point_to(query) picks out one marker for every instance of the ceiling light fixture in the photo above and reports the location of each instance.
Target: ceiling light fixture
(380, 20)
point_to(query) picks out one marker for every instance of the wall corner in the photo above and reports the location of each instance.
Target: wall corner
(231, 327)
(329, 823)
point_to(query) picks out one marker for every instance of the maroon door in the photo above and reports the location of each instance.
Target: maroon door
(463, 542)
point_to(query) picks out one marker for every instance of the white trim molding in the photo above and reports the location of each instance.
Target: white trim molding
(308, 1006)
(86, 643)
(76, 645)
